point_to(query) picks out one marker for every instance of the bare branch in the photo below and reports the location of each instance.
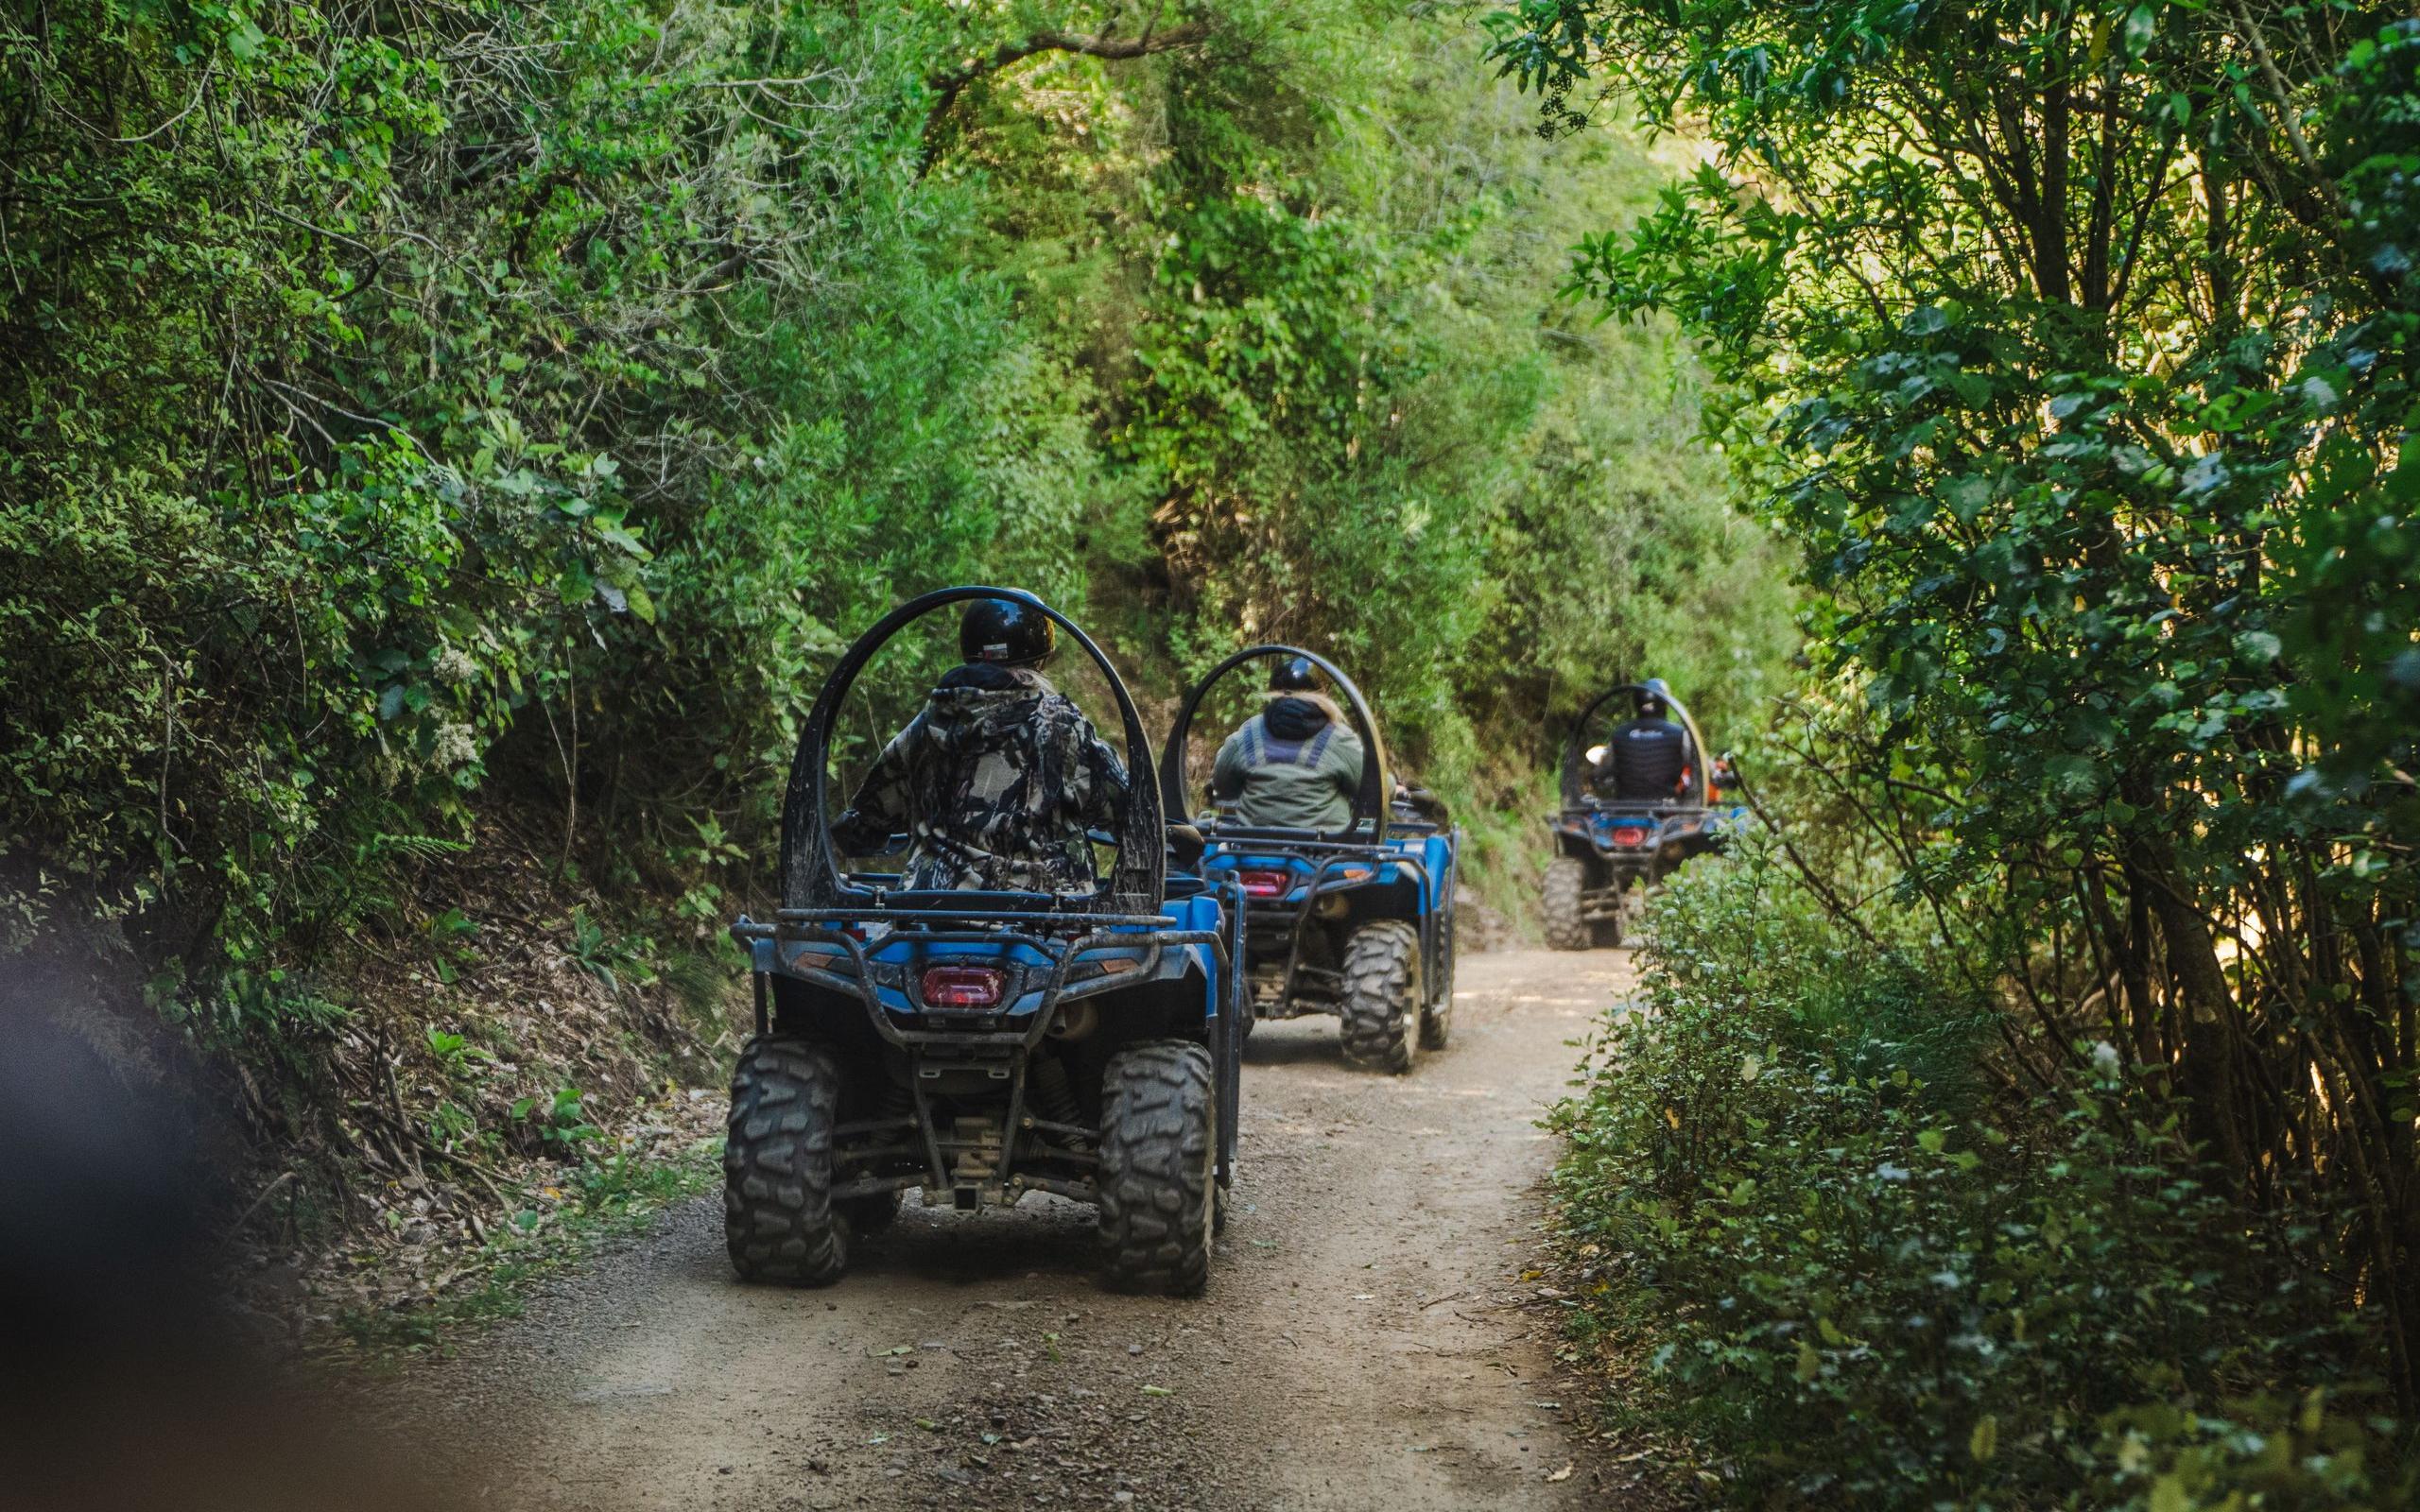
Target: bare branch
(947, 86)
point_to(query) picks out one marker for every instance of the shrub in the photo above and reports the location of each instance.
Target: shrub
(1863, 1272)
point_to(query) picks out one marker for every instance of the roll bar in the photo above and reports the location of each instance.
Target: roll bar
(811, 876)
(1575, 753)
(1376, 791)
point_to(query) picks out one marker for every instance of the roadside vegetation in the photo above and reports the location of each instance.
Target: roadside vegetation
(1832, 1257)
(2032, 1122)
(546, 1227)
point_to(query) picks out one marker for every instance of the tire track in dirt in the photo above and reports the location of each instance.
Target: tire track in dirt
(1365, 1342)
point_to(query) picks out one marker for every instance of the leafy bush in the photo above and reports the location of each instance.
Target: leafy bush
(2103, 491)
(560, 1125)
(1863, 1273)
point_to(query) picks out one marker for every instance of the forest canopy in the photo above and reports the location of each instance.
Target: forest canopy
(438, 426)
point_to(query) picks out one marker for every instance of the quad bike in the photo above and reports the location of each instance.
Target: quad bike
(1357, 923)
(983, 1046)
(1609, 855)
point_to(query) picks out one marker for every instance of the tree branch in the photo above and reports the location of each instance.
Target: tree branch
(947, 86)
(2288, 116)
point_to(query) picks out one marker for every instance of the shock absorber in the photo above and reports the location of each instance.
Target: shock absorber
(1052, 1092)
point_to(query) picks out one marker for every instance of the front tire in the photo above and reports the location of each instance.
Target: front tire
(1566, 919)
(1381, 1006)
(779, 1221)
(1159, 1149)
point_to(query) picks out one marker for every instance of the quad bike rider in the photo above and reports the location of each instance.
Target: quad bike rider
(1647, 759)
(1295, 764)
(1634, 807)
(1000, 781)
(1347, 880)
(994, 1017)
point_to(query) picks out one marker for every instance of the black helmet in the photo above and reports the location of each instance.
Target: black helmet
(1294, 675)
(1654, 697)
(1005, 632)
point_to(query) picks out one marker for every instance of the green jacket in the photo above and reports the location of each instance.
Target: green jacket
(1296, 764)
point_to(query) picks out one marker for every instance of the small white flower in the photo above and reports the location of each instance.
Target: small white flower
(457, 746)
(454, 665)
(2104, 1057)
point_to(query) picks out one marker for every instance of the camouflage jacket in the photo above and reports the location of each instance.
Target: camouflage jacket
(994, 782)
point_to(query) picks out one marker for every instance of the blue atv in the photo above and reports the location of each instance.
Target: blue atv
(1609, 855)
(983, 1046)
(1358, 923)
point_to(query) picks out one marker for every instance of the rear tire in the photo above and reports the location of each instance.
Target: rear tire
(779, 1221)
(1567, 924)
(1381, 1002)
(1159, 1143)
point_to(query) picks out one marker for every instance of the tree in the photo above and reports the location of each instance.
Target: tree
(2073, 343)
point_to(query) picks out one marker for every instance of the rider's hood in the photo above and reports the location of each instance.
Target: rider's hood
(1299, 715)
(982, 696)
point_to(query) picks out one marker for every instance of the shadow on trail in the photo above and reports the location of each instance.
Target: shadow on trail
(1042, 1238)
(1297, 1046)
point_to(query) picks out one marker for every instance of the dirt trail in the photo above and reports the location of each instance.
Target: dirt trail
(1363, 1344)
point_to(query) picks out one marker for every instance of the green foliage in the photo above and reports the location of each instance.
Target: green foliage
(404, 438)
(605, 952)
(2073, 345)
(454, 1054)
(616, 1197)
(1860, 1281)
(1282, 424)
(379, 404)
(561, 1123)
(1369, 425)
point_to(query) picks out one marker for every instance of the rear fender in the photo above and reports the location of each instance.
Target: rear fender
(1572, 837)
(1405, 897)
(835, 1019)
(1181, 1008)
(1437, 865)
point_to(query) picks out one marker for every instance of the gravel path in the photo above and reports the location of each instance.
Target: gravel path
(1367, 1342)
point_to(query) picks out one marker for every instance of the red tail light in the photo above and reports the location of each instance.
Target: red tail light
(1266, 884)
(1629, 837)
(962, 987)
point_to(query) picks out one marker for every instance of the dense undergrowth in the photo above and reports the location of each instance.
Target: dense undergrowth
(2074, 345)
(1843, 1262)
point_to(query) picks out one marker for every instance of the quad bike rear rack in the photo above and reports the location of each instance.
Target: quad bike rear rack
(1336, 855)
(1004, 1053)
